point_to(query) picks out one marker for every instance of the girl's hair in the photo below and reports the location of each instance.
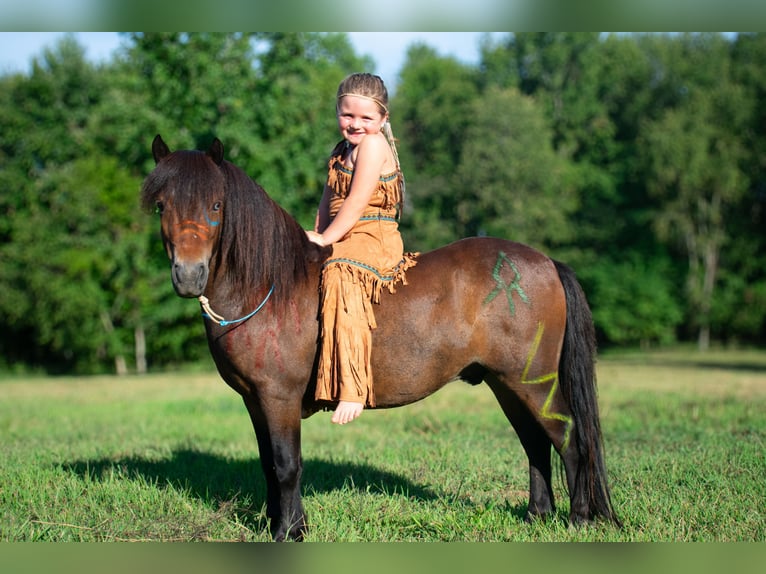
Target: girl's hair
(371, 87)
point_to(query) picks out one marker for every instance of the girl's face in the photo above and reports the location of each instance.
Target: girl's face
(358, 117)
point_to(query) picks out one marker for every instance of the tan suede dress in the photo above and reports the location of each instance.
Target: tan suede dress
(369, 258)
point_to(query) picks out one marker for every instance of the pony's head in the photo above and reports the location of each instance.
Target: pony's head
(187, 190)
(219, 225)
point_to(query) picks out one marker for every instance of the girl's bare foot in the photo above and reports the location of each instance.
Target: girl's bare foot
(346, 411)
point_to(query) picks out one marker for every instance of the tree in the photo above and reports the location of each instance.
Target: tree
(570, 77)
(294, 122)
(40, 128)
(81, 271)
(638, 159)
(559, 69)
(693, 159)
(430, 113)
(635, 300)
(510, 182)
(742, 300)
(74, 255)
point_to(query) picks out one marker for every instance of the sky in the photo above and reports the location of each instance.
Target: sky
(388, 49)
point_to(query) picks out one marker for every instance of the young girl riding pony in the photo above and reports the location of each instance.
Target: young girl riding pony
(358, 218)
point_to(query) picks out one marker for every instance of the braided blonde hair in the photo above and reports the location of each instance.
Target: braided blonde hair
(371, 87)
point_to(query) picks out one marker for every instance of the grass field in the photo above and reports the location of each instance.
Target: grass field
(173, 458)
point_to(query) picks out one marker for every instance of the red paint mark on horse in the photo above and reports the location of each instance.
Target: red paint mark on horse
(188, 226)
(296, 316)
(268, 343)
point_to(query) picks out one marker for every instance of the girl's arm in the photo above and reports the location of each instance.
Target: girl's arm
(323, 212)
(370, 159)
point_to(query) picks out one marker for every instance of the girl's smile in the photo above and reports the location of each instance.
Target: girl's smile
(358, 117)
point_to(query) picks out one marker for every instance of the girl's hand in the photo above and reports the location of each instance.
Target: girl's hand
(315, 237)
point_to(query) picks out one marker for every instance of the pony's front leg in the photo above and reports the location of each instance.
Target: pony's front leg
(278, 432)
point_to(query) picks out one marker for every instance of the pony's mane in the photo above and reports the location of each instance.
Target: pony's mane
(260, 243)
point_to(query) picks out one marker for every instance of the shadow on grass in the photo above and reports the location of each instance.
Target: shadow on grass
(695, 361)
(216, 479)
(740, 366)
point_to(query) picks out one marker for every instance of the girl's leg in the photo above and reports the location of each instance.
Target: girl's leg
(344, 373)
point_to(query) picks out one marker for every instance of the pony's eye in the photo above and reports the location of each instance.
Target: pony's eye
(159, 207)
(217, 206)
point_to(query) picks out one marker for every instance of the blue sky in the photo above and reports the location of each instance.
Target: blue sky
(388, 49)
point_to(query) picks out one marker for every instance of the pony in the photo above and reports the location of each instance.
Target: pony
(479, 310)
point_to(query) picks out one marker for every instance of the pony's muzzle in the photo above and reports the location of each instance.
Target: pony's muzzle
(189, 279)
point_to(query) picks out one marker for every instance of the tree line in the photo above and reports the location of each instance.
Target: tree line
(637, 159)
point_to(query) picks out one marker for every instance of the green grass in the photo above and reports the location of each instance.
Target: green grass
(173, 458)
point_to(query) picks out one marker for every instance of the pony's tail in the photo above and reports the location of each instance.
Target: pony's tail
(577, 379)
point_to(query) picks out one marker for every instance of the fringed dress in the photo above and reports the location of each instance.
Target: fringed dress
(368, 259)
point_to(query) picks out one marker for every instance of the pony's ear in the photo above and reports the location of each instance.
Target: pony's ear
(159, 149)
(216, 151)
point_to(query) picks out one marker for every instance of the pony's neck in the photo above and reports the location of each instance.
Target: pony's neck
(261, 245)
(230, 307)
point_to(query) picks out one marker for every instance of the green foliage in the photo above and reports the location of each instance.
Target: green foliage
(694, 159)
(510, 182)
(56, 294)
(430, 113)
(294, 120)
(637, 159)
(637, 302)
(433, 107)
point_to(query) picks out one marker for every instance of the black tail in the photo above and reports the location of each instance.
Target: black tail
(589, 491)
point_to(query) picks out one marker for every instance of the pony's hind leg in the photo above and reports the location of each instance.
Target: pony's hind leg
(579, 512)
(537, 447)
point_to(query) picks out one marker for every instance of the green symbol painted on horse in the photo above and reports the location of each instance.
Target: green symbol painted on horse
(508, 288)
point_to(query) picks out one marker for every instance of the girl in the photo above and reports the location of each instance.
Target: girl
(358, 219)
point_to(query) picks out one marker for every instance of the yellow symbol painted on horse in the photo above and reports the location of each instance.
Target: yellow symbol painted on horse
(545, 411)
